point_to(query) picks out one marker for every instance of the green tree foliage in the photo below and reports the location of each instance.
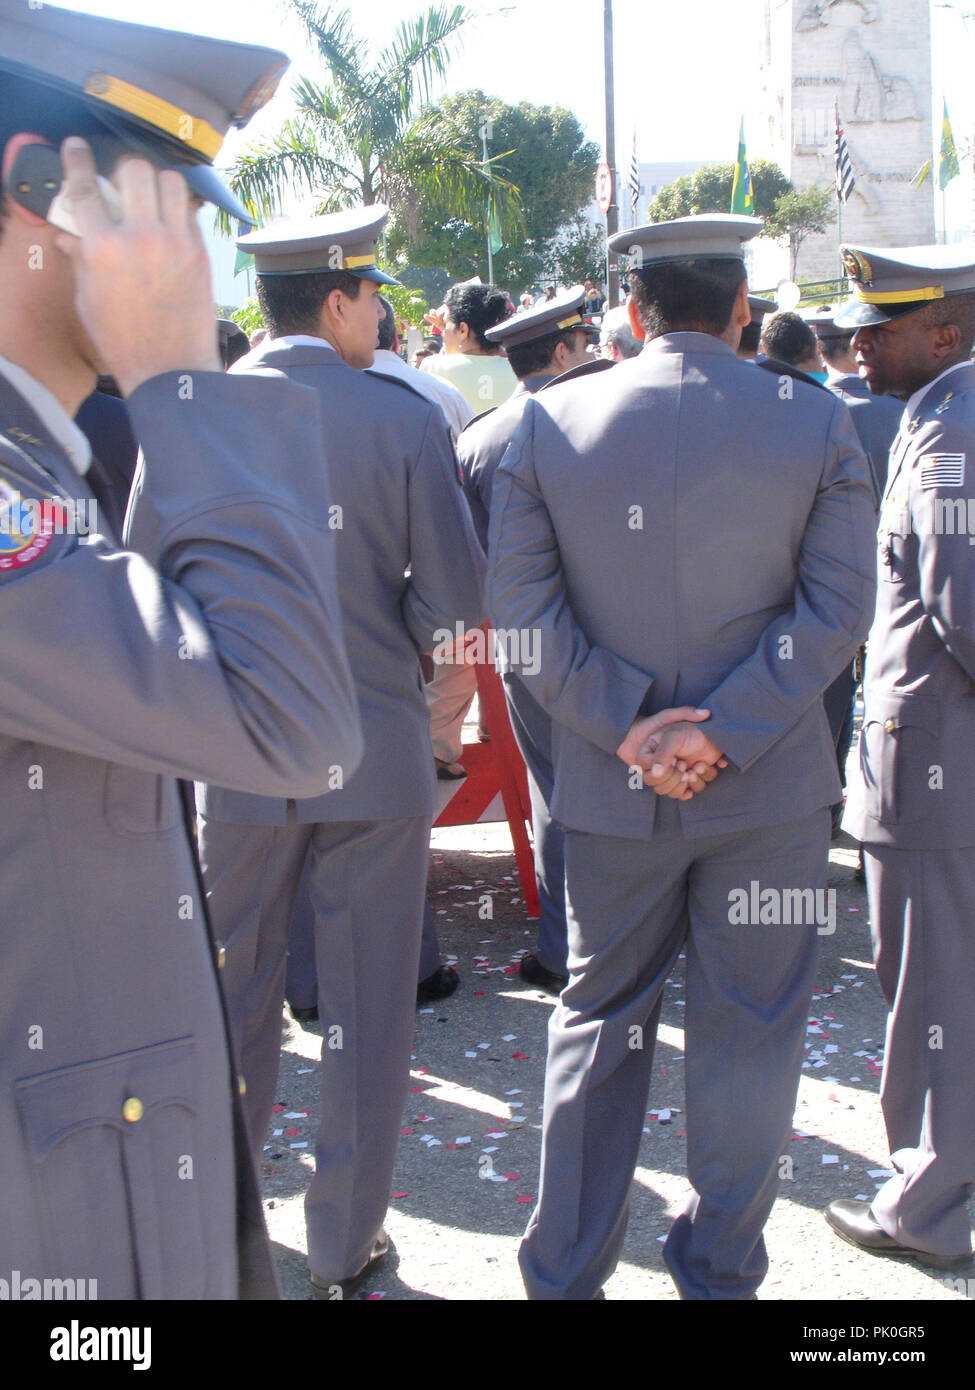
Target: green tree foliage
(408, 303)
(578, 255)
(799, 214)
(543, 151)
(360, 135)
(709, 190)
(248, 316)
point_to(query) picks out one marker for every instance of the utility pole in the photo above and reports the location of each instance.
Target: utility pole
(612, 212)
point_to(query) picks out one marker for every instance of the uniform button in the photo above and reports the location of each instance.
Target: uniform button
(133, 1110)
(221, 955)
(241, 1086)
(890, 725)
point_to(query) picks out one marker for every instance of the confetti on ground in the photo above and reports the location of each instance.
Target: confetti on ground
(397, 1195)
(525, 1199)
(305, 1071)
(302, 1145)
(830, 1158)
(520, 1056)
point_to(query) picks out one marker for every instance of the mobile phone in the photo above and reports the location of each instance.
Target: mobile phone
(36, 182)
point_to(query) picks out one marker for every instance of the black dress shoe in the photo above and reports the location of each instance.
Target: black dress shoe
(304, 1015)
(533, 972)
(855, 1223)
(326, 1288)
(439, 985)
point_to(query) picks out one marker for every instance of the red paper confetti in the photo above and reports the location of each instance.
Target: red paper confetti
(277, 1108)
(512, 1177)
(480, 991)
(520, 1056)
(407, 1131)
(418, 1088)
(399, 1194)
(291, 1131)
(525, 1199)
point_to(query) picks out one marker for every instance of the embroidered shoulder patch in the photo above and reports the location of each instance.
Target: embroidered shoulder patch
(942, 470)
(32, 528)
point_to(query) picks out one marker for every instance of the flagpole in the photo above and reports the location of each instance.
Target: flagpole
(490, 255)
(612, 212)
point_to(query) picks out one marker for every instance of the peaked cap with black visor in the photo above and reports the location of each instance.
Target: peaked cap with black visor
(168, 96)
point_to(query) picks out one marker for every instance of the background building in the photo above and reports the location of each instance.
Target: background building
(871, 59)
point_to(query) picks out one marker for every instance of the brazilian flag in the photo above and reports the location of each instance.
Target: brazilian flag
(243, 259)
(949, 155)
(742, 201)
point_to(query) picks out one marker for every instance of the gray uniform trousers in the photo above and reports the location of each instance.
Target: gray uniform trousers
(366, 881)
(301, 977)
(632, 906)
(532, 729)
(926, 967)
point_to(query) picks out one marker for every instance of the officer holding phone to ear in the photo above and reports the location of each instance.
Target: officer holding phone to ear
(215, 653)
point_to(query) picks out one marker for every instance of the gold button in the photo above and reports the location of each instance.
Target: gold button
(133, 1110)
(221, 954)
(241, 1086)
(890, 725)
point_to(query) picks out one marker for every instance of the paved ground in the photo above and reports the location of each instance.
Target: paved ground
(468, 1160)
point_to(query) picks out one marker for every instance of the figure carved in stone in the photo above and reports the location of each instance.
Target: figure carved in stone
(817, 14)
(870, 94)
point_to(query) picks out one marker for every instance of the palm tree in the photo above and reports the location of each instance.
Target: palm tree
(363, 134)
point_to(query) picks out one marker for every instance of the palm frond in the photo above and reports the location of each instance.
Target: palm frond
(428, 165)
(419, 53)
(292, 159)
(340, 49)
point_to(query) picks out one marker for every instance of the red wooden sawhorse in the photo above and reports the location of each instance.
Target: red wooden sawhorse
(492, 768)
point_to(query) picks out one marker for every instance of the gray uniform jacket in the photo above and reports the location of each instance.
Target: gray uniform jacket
(481, 448)
(394, 478)
(876, 419)
(117, 677)
(918, 735)
(684, 529)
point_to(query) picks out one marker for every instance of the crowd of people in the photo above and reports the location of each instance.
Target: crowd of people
(226, 703)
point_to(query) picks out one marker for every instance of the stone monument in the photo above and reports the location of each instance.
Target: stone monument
(871, 61)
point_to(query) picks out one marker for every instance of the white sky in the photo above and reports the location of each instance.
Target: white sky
(685, 73)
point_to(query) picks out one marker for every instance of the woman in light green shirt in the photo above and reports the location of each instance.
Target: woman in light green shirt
(479, 369)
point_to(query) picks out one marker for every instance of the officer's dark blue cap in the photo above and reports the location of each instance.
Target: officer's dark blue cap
(337, 241)
(166, 95)
(887, 283)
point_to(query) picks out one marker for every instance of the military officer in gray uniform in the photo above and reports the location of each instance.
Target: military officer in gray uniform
(408, 565)
(667, 553)
(913, 310)
(875, 418)
(541, 344)
(216, 653)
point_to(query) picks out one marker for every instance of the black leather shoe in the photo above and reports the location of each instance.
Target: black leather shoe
(304, 1015)
(855, 1223)
(327, 1288)
(533, 972)
(439, 985)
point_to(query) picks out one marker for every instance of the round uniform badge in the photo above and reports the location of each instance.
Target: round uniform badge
(28, 526)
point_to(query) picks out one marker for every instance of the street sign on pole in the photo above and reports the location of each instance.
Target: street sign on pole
(604, 187)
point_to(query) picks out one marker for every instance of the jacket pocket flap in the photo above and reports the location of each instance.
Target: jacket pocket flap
(899, 711)
(118, 1091)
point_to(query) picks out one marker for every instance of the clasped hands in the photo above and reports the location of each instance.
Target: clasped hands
(675, 755)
